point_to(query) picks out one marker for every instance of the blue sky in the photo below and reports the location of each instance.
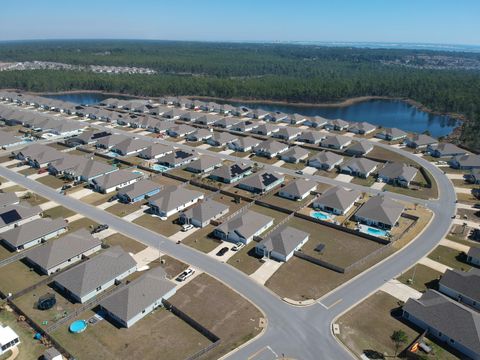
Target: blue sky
(424, 21)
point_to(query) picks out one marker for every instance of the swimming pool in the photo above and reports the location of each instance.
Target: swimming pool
(320, 215)
(78, 326)
(112, 154)
(374, 231)
(161, 168)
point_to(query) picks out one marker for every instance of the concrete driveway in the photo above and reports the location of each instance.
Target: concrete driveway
(264, 272)
(378, 185)
(400, 291)
(344, 178)
(179, 236)
(225, 256)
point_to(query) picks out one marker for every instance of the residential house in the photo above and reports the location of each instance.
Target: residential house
(258, 114)
(473, 256)
(115, 180)
(201, 214)
(337, 200)
(297, 189)
(270, 148)
(243, 227)
(17, 214)
(311, 137)
(338, 142)
(130, 146)
(282, 244)
(244, 144)
(8, 198)
(287, 133)
(8, 140)
(38, 155)
(359, 167)
(295, 154)
(86, 138)
(446, 320)
(231, 173)
(139, 298)
(359, 148)
(33, 233)
(296, 119)
(474, 176)
(139, 191)
(155, 151)
(87, 279)
(200, 135)
(391, 134)
(362, 128)
(178, 158)
(462, 286)
(397, 174)
(325, 160)
(316, 122)
(226, 122)
(380, 212)
(173, 199)
(244, 126)
(181, 130)
(420, 141)
(465, 162)
(107, 142)
(261, 182)
(204, 164)
(337, 124)
(63, 252)
(276, 117)
(207, 119)
(79, 168)
(265, 129)
(8, 340)
(221, 139)
(445, 150)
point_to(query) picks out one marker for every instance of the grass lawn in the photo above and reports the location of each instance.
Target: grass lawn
(121, 209)
(264, 160)
(4, 252)
(450, 257)
(14, 188)
(465, 198)
(274, 199)
(58, 211)
(28, 172)
(160, 332)
(96, 198)
(29, 347)
(463, 184)
(52, 181)
(128, 244)
(246, 260)
(364, 182)
(471, 215)
(292, 166)
(172, 266)
(82, 223)
(370, 324)
(276, 215)
(34, 199)
(387, 155)
(420, 277)
(230, 202)
(201, 240)
(216, 148)
(221, 310)
(166, 228)
(240, 154)
(18, 276)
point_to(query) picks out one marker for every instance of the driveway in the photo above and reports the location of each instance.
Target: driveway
(309, 170)
(279, 163)
(462, 190)
(455, 245)
(399, 290)
(80, 193)
(225, 256)
(454, 176)
(378, 185)
(344, 178)
(435, 265)
(146, 256)
(264, 272)
(179, 236)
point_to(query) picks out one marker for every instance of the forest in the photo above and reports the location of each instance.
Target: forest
(282, 72)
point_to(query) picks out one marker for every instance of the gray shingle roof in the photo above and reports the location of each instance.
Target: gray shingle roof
(32, 230)
(422, 139)
(204, 162)
(327, 157)
(205, 211)
(465, 283)
(381, 209)
(87, 276)
(246, 224)
(171, 197)
(284, 240)
(299, 187)
(261, 180)
(139, 188)
(155, 150)
(142, 292)
(7, 139)
(296, 152)
(229, 172)
(8, 198)
(271, 146)
(360, 147)
(360, 165)
(338, 198)
(336, 140)
(398, 170)
(468, 160)
(116, 178)
(14, 213)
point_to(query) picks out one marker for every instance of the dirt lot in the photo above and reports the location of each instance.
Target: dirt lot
(450, 257)
(221, 310)
(127, 244)
(371, 323)
(18, 276)
(420, 277)
(160, 332)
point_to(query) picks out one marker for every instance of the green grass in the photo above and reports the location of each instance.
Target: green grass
(246, 260)
(420, 277)
(57, 212)
(51, 181)
(364, 182)
(450, 257)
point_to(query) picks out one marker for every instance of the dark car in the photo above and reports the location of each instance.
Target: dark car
(99, 228)
(113, 198)
(66, 187)
(222, 251)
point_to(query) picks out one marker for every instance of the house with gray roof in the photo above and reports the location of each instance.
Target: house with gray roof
(86, 138)
(33, 233)
(181, 130)
(282, 244)
(115, 180)
(130, 146)
(63, 252)
(261, 182)
(338, 142)
(287, 133)
(18, 214)
(178, 158)
(277, 117)
(391, 134)
(359, 148)
(138, 191)
(380, 211)
(243, 227)
(297, 189)
(474, 176)
(38, 155)
(201, 214)
(465, 162)
(473, 256)
(8, 140)
(338, 125)
(221, 139)
(87, 279)
(265, 129)
(155, 151)
(173, 114)
(462, 286)
(446, 320)
(133, 302)
(295, 154)
(325, 160)
(362, 128)
(244, 126)
(173, 199)
(337, 200)
(226, 122)
(107, 142)
(8, 198)
(244, 144)
(316, 122)
(311, 137)
(359, 167)
(295, 119)
(200, 135)
(204, 164)
(270, 148)
(207, 119)
(80, 168)
(420, 141)
(258, 114)
(231, 173)
(396, 173)
(445, 150)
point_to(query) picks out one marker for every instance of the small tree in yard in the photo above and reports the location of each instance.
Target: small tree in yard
(399, 339)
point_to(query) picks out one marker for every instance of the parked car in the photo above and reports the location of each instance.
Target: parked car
(66, 187)
(99, 228)
(299, 172)
(222, 251)
(186, 274)
(113, 198)
(186, 227)
(238, 246)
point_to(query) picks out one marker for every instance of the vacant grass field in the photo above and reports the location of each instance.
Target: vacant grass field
(232, 318)
(450, 257)
(370, 324)
(293, 205)
(14, 188)
(246, 260)
(96, 198)
(294, 166)
(201, 240)
(18, 276)
(264, 160)
(388, 155)
(464, 184)
(127, 244)
(420, 277)
(467, 199)
(276, 215)
(160, 332)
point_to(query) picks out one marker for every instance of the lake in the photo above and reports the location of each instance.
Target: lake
(386, 113)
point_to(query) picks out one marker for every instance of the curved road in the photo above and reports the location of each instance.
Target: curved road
(298, 332)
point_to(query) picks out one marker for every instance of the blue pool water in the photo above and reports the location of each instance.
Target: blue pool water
(161, 168)
(78, 326)
(112, 154)
(320, 215)
(375, 232)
